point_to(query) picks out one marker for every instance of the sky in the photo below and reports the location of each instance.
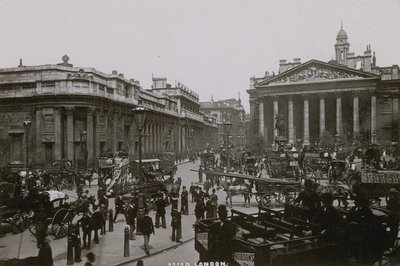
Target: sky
(211, 46)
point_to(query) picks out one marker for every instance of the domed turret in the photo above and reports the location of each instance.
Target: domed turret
(341, 46)
(341, 35)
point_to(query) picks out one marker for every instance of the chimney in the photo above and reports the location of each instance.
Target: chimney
(114, 72)
(121, 75)
(296, 61)
(283, 66)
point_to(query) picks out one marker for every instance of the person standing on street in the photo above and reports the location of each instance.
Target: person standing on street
(174, 199)
(160, 211)
(119, 207)
(199, 209)
(192, 191)
(40, 219)
(87, 226)
(176, 224)
(130, 217)
(184, 201)
(97, 219)
(214, 203)
(146, 226)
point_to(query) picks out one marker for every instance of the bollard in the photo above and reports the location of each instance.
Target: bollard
(70, 252)
(78, 249)
(110, 221)
(126, 242)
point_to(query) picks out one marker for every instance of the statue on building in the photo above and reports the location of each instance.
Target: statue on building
(280, 124)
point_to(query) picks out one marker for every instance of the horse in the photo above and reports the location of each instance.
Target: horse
(234, 190)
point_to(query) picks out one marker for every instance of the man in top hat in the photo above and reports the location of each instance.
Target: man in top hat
(184, 201)
(87, 226)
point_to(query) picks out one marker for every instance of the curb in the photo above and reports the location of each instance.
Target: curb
(155, 253)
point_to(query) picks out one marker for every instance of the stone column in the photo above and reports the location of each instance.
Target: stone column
(114, 138)
(356, 117)
(97, 138)
(275, 113)
(90, 137)
(373, 118)
(306, 122)
(339, 114)
(395, 118)
(70, 133)
(321, 115)
(290, 120)
(261, 117)
(106, 130)
(57, 135)
(39, 156)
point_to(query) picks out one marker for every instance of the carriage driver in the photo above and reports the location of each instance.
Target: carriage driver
(309, 198)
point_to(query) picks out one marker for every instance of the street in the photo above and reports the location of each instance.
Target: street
(110, 249)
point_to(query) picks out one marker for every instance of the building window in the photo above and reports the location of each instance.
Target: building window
(48, 84)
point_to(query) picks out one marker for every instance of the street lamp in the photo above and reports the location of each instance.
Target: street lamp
(139, 115)
(373, 137)
(227, 127)
(27, 125)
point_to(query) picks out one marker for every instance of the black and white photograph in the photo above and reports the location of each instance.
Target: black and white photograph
(199, 133)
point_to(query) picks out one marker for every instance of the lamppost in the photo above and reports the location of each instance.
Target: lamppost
(373, 138)
(337, 141)
(227, 127)
(139, 114)
(27, 125)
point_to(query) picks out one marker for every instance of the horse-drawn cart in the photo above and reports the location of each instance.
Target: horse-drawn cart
(267, 191)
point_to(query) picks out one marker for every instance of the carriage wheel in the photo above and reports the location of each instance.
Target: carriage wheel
(59, 223)
(267, 200)
(288, 194)
(31, 223)
(18, 223)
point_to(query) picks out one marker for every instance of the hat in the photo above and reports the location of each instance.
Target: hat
(308, 183)
(222, 208)
(184, 187)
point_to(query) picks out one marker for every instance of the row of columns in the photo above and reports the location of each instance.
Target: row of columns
(306, 117)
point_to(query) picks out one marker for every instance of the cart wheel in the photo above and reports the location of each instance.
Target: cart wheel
(288, 194)
(267, 200)
(60, 223)
(258, 198)
(31, 223)
(18, 223)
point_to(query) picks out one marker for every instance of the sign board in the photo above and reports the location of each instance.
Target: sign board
(244, 259)
(293, 163)
(202, 238)
(311, 155)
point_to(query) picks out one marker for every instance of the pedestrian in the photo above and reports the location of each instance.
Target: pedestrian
(87, 226)
(199, 209)
(146, 226)
(103, 200)
(104, 213)
(119, 206)
(130, 217)
(40, 218)
(200, 174)
(214, 203)
(209, 209)
(176, 224)
(160, 211)
(184, 201)
(45, 256)
(192, 191)
(94, 176)
(97, 220)
(174, 199)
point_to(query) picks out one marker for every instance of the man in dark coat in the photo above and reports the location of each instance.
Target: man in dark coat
(119, 206)
(184, 201)
(174, 196)
(87, 226)
(130, 217)
(176, 224)
(214, 204)
(199, 209)
(146, 226)
(97, 219)
(160, 211)
(309, 198)
(192, 191)
(45, 256)
(328, 217)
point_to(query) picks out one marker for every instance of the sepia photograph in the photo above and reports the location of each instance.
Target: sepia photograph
(199, 133)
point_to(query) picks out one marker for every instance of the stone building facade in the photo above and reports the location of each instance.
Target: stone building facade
(80, 113)
(350, 97)
(229, 110)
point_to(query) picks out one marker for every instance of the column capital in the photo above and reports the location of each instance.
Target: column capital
(306, 96)
(90, 110)
(69, 109)
(355, 93)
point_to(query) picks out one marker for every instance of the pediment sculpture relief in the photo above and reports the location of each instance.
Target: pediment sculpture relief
(314, 73)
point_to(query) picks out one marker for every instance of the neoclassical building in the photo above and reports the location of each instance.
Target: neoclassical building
(350, 97)
(78, 113)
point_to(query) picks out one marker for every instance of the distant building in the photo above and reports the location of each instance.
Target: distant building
(350, 97)
(230, 110)
(79, 113)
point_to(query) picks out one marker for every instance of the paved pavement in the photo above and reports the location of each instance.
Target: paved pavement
(110, 249)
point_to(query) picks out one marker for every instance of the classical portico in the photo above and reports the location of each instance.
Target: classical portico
(316, 97)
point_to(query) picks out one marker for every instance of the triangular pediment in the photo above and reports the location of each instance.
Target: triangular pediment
(316, 71)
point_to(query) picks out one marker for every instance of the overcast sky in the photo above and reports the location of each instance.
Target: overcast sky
(213, 47)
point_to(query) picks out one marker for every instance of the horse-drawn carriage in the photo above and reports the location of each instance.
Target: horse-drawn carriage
(207, 159)
(60, 173)
(284, 237)
(267, 191)
(282, 165)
